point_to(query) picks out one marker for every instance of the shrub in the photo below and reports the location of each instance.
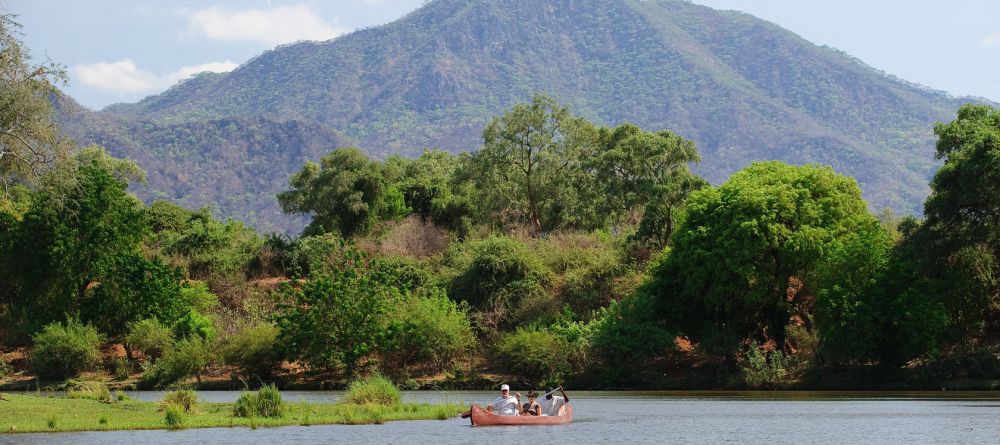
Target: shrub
(265, 402)
(496, 268)
(428, 330)
(195, 324)
(5, 367)
(538, 356)
(253, 348)
(89, 391)
(494, 276)
(376, 390)
(186, 359)
(174, 417)
(197, 295)
(337, 317)
(122, 368)
(185, 399)
(763, 368)
(626, 336)
(64, 351)
(594, 285)
(150, 337)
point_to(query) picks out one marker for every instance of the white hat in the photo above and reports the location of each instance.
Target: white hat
(504, 387)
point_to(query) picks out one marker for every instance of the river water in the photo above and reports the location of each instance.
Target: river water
(628, 417)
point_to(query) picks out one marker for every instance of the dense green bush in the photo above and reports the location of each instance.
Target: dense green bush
(150, 337)
(62, 351)
(336, 318)
(595, 284)
(375, 389)
(188, 358)
(426, 330)
(762, 368)
(538, 356)
(205, 247)
(626, 337)
(195, 324)
(197, 295)
(253, 348)
(494, 275)
(265, 402)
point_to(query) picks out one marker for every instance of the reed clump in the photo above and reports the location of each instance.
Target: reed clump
(185, 399)
(265, 402)
(89, 391)
(373, 390)
(174, 417)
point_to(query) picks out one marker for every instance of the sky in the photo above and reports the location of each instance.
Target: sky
(124, 50)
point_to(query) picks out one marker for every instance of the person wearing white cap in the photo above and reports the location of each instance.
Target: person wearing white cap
(506, 404)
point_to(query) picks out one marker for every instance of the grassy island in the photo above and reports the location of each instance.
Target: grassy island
(369, 401)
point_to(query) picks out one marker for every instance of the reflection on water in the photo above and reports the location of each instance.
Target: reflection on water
(627, 417)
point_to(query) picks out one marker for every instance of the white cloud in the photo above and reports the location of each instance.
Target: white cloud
(992, 40)
(124, 77)
(274, 26)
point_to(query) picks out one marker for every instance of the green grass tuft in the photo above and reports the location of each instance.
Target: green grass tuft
(186, 400)
(375, 390)
(89, 391)
(265, 402)
(174, 417)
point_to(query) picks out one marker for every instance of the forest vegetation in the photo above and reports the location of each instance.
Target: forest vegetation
(562, 251)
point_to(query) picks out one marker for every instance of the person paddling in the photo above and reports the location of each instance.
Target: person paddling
(552, 404)
(505, 404)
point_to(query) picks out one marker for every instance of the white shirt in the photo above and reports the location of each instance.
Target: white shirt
(505, 407)
(551, 407)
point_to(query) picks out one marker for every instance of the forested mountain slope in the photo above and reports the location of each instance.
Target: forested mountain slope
(742, 88)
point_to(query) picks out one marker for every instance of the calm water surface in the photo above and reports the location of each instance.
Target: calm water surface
(622, 417)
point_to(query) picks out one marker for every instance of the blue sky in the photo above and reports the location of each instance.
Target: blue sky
(122, 51)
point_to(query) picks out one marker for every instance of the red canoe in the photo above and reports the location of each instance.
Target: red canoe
(480, 417)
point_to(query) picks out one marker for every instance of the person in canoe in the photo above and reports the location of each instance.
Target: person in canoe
(532, 408)
(505, 404)
(551, 404)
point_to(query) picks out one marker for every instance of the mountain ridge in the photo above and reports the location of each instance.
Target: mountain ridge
(742, 88)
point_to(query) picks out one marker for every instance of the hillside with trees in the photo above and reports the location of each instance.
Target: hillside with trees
(563, 251)
(740, 88)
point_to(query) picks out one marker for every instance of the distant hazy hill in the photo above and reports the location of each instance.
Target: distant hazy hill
(744, 89)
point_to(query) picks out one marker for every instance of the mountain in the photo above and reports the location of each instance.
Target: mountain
(742, 88)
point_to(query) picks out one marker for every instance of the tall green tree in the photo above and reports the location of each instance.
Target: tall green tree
(339, 315)
(346, 192)
(433, 188)
(963, 221)
(530, 166)
(729, 276)
(29, 139)
(83, 232)
(645, 176)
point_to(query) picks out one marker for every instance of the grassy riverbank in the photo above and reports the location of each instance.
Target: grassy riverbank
(30, 413)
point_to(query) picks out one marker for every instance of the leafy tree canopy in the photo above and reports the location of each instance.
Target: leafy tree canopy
(346, 192)
(29, 140)
(530, 165)
(729, 276)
